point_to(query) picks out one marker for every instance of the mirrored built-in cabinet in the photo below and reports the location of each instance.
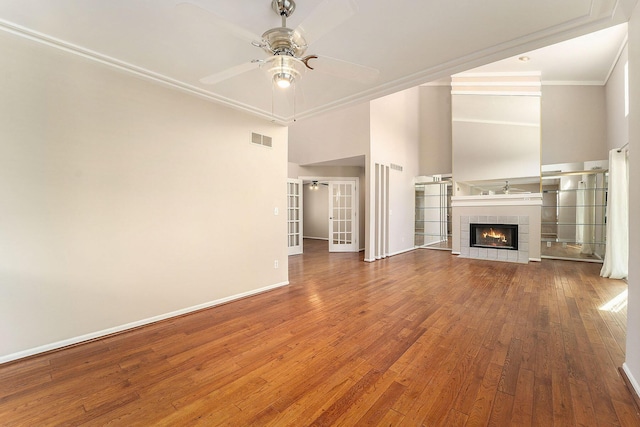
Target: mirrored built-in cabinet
(574, 214)
(433, 213)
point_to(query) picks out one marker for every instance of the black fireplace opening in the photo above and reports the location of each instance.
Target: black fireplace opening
(497, 236)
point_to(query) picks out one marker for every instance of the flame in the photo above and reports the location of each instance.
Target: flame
(500, 236)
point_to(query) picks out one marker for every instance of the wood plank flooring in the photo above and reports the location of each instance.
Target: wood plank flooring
(420, 339)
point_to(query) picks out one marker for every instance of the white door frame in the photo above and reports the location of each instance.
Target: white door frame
(356, 207)
(343, 196)
(294, 217)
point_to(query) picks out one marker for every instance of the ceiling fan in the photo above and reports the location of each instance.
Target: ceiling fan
(508, 189)
(286, 47)
(314, 184)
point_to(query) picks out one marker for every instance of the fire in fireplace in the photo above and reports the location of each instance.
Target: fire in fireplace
(498, 236)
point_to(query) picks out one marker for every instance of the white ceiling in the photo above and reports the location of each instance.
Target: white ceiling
(408, 42)
(586, 60)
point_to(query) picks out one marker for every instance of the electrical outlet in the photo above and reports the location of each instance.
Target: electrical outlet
(275, 264)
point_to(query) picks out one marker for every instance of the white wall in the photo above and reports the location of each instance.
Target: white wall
(334, 135)
(573, 124)
(124, 201)
(435, 130)
(495, 137)
(632, 359)
(395, 135)
(617, 122)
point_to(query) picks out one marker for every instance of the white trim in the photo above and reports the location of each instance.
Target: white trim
(369, 260)
(444, 82)
(573, 83)
(334, 185)
(535, 259)
(495, 122)
(528, 42)
(527, 199)
(402, 251)
(455, 253)
(315, 238)
(298, 185)
(494, 92)
(132, 325)
(515, 83)
(524, 43)
(356, 207)
(328, 178)
(624, 43)
(56, 43)
(499, 74)
(632, 380)
(492, 53)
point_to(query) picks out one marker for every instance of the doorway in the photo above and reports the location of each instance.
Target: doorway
(330, 212)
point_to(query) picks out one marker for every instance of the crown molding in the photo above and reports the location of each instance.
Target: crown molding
(71, 48)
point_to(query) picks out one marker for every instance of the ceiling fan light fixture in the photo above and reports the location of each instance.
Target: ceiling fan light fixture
(283, 80)
(284, 70)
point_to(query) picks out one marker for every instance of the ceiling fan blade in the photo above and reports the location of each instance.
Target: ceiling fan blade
(325, 17)
(198, 8)
(344, 69)
(228, 73)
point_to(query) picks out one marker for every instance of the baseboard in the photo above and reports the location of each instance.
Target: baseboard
(535, 259)
(632, 384)
(316, 238)
(402, 251)
(455, 253)
(133, 325)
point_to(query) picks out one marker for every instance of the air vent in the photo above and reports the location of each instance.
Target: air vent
(258, 139)
(395, 167)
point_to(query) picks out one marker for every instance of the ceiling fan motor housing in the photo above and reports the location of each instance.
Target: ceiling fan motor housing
(284, 41)
(283, 8)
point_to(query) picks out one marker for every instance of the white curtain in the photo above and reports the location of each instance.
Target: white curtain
(616, 258)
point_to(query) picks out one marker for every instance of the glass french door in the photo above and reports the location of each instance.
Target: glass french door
(343, 227)
(294, 216)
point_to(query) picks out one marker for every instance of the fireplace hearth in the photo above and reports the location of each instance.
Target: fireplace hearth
(495, 236)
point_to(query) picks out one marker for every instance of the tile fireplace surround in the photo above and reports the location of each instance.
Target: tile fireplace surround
(521, 209)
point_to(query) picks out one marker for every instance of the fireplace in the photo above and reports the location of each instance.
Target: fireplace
(495, 236)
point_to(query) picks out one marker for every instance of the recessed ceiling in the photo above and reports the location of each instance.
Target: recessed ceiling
(408, 42)
(586, 60)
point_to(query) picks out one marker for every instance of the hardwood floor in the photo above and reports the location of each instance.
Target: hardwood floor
(423, 338)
